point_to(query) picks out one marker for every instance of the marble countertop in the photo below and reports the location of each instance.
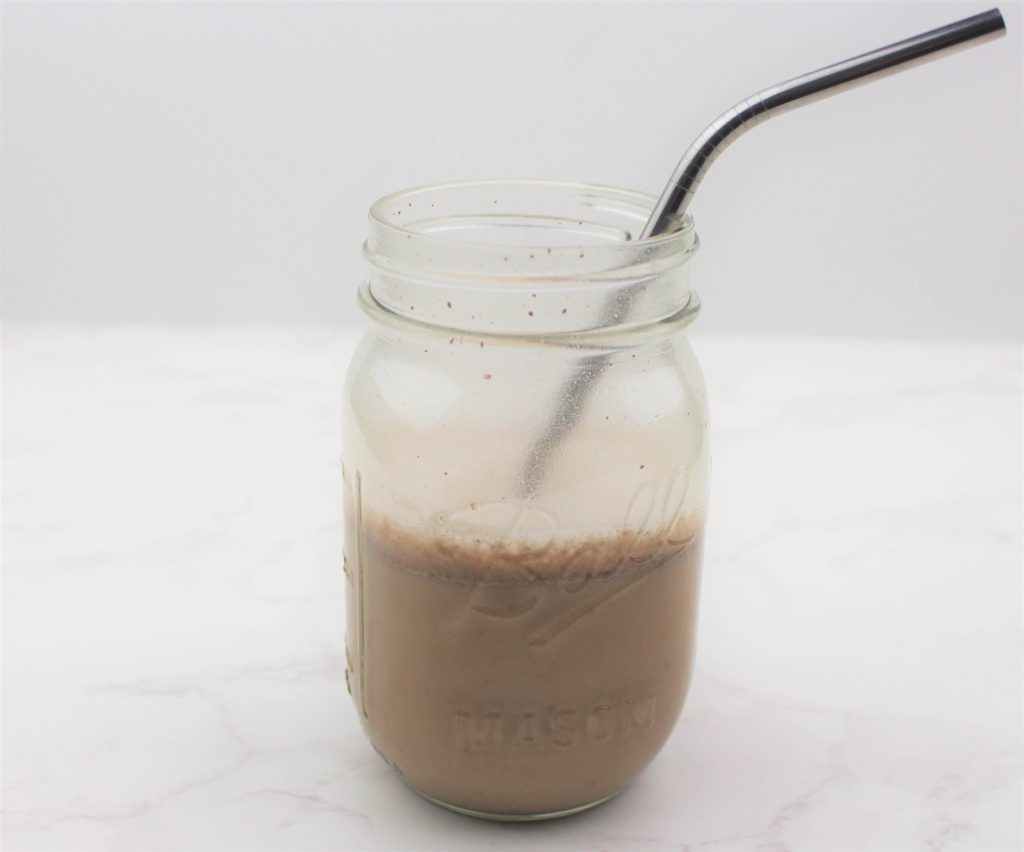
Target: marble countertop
(173, 606)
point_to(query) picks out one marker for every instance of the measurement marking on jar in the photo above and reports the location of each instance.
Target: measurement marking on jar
(360, 593)
(560, 726)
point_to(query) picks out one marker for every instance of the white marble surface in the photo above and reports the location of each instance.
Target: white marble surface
(173, 614)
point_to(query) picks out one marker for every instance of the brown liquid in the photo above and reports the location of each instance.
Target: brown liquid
(520, 680)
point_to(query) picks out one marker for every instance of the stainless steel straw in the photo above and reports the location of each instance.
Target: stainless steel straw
(726, 129)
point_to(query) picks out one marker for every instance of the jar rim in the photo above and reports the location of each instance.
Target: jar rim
(525, 258)
(643, 201)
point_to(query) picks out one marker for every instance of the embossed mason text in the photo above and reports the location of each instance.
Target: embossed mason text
(558, 726)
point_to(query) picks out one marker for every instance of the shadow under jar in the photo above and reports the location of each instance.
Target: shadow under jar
(521, 624)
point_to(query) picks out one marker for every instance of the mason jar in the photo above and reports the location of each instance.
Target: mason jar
(526, 469)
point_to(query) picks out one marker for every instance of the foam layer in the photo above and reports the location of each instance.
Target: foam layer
(455, 555)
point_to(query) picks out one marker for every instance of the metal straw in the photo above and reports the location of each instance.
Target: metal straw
(726, 129)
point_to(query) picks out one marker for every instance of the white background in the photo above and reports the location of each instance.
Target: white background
(201, 163)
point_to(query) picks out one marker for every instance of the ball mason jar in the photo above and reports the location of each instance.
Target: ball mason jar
(525, 458)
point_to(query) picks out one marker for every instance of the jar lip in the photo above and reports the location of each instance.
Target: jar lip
(524, 258)
(597, 338)
(682, 235)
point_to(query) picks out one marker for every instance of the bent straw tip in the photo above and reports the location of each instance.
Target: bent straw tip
(995, 18)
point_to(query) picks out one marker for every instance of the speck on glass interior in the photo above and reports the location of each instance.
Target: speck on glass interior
(515, 651)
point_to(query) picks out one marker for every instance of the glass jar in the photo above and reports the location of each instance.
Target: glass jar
(526, 468)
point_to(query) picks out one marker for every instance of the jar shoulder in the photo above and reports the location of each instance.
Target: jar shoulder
(463, 381)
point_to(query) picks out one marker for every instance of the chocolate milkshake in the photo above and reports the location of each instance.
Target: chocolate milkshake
(521, 678)
(522, 580)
